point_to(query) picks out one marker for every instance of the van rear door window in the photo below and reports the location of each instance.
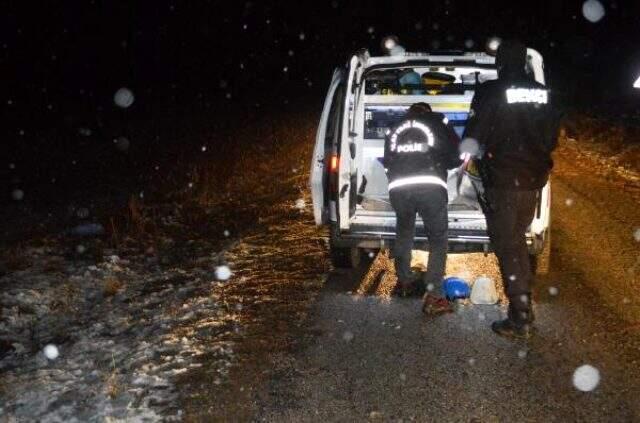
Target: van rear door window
(379, 119)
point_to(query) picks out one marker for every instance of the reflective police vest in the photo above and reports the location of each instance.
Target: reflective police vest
(413, 154)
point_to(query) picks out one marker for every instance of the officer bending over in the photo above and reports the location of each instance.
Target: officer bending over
(417, 154)
(516, 127)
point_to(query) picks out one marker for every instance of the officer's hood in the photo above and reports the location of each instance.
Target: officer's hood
(511, 58)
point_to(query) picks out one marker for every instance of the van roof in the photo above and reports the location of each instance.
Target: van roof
(435, 57)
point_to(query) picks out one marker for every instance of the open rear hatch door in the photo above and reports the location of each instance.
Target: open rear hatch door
(326, 140)
(348, 165)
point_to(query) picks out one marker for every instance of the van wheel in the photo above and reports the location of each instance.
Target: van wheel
(345, 258)
(540, 262)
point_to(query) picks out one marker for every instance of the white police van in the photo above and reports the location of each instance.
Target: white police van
(348, 183)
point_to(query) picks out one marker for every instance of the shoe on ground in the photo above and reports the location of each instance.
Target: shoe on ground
(411, 288)
(511, 329)
(434, 306)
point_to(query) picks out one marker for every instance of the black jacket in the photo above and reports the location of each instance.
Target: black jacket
(424, 146)
(516, 125)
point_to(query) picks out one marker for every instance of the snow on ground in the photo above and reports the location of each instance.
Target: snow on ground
(124, 328)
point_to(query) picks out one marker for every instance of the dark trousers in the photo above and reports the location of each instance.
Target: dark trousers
(508, 217)
(430, 202)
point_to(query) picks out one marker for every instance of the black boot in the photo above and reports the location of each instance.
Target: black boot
(510, 329)
(519, 323)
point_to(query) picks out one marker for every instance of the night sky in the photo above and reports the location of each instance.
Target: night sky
(61, 63)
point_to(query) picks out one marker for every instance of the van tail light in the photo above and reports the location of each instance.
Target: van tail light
(333, 165)
(334, 161)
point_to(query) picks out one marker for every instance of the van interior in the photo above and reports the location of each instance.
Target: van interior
(448, 90)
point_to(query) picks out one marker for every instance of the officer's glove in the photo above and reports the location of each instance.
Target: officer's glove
(471, 148)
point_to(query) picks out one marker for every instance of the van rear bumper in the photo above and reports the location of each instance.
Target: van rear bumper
(459, 241)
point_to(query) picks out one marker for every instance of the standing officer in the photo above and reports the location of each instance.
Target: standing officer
(516, 128)
(418, 151)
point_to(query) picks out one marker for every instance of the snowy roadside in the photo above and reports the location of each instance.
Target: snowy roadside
(121, 328)
(613, 147)
(128, 327)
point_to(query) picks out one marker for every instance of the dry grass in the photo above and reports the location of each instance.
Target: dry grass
(14, 259)
(112, 385)
(618, 142)
(65, 298)
(111, 286)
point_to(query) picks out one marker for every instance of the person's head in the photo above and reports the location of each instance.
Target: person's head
(511, 57)
(417, 110)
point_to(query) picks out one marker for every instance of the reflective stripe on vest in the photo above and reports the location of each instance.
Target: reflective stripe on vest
(413, 180)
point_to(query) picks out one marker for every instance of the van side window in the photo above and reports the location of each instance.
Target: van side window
(333, 125)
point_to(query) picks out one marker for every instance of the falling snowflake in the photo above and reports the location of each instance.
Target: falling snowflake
(403, 377)
(586, 378)
(81, 249)
(122, 143)
(636, 234)
(302, 36)
(430, 287)
(17, 194)
(285, 69)
(472, 361)
(593, 10)
(291, 53)
(123, 98)
(512, 278)
(469, 43)
(222, 273)
(51, 352)
(13, 166)
(493, 43)
(347, 336)
(85, 132)
(226, 233)
(522, 354)
(371, 30)
(569, 202)
(204, 148)
(553, 290)
(371, 254)
(300, 204)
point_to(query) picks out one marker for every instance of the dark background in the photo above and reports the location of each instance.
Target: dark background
(62, 62)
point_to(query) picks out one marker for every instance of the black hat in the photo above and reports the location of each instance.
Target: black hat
(418, 109)
(512, 54)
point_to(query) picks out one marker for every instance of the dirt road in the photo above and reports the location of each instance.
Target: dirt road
(359, 355)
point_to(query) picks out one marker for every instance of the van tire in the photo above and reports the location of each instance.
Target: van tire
(540, 262)
(345, 258)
